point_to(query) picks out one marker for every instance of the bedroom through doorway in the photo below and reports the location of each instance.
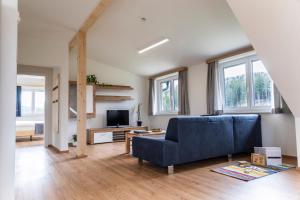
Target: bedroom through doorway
(30, 110)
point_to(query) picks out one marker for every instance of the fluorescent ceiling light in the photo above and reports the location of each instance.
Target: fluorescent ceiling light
(154, 45)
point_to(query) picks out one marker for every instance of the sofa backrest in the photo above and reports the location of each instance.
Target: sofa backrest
(247, 132)
(201, 137)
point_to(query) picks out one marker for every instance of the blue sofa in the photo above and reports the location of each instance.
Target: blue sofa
(191, 139)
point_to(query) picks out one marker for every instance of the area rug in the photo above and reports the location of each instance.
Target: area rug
(251, 172)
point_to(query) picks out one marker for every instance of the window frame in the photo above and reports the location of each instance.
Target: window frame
(33, 91)
(250, 108)
(158, 94)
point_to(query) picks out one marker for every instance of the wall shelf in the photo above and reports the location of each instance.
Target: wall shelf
(114, 87)
(72, 95)
(113, 98)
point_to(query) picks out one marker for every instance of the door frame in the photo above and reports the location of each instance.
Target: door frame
(47, 72)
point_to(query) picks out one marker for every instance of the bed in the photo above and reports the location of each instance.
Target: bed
(29, 128)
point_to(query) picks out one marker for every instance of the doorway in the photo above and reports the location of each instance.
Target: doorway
(30, 110)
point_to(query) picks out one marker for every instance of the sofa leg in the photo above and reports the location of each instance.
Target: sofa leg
(140, 161)
(171, 169)
(229, 157)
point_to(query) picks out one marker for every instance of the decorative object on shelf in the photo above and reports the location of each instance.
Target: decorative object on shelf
(138, 111)
(74, 137)
(91, 79)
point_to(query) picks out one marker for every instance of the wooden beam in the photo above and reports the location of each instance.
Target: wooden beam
(81, 149)
(230, 54)
(178, 69)
(90, 21)
(97, 12)
(73, 42)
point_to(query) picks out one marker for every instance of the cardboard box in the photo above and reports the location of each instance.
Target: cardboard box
(258, 159)
(272, 154)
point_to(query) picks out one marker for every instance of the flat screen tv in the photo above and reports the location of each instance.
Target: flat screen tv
(117, 118)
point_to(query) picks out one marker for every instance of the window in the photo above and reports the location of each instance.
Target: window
(32, 101)
(167, 94)
(246, 85)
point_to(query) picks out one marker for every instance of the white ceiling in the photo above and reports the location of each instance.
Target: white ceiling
(54, 18)
(197, 29)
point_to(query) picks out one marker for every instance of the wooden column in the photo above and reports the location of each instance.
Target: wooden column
(79, 41)
(81, 150)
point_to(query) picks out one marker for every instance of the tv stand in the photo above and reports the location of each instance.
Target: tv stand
(117, 134)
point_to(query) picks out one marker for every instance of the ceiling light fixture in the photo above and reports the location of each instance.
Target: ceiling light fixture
(154, 45)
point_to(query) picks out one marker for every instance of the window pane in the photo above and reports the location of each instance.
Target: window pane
(262, 85)
(26, 102)
(39, 102)
(175, 92)
(165, 88)
(235, 90)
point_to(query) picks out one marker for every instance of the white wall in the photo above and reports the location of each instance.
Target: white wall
(8, 79)
(277, 129)
(112, 75)
(274, 31)
(197, 76)
(50, 52)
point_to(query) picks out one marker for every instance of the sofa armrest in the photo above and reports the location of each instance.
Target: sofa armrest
(155, 150)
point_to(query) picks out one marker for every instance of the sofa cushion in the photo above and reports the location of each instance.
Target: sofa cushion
(155, 149)
(201, 137)
(247, 132)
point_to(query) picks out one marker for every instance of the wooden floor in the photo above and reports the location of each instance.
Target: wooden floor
(25, 141)
(107, 173)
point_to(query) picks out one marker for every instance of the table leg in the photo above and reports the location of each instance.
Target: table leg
(127, 143)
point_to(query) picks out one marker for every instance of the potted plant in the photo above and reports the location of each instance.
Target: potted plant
(91, 79)
(138, 111)
(74, 137)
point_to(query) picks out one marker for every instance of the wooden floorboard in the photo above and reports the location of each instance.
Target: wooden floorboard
(108, 173)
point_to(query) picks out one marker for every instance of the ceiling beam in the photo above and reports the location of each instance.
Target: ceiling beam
(94, 16)
(90, 21)
(230, 54)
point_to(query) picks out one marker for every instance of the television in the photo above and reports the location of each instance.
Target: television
(117, 118)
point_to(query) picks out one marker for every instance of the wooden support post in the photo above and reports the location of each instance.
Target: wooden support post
(81, 150)
(79, 41)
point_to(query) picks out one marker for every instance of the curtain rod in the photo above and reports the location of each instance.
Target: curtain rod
(230, 54)
(178, 69)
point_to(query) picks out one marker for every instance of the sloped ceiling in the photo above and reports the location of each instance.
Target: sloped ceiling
(53, 18)
(197, 29)
(274, 30)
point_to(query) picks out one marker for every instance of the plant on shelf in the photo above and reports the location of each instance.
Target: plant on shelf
(74, 137)
(138, 112)
(91, 79)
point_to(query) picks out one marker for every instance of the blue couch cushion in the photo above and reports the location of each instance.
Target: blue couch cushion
(201, 137)
(247, 132)
(155, 149)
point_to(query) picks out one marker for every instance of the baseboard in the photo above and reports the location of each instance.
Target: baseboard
(56, 149)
